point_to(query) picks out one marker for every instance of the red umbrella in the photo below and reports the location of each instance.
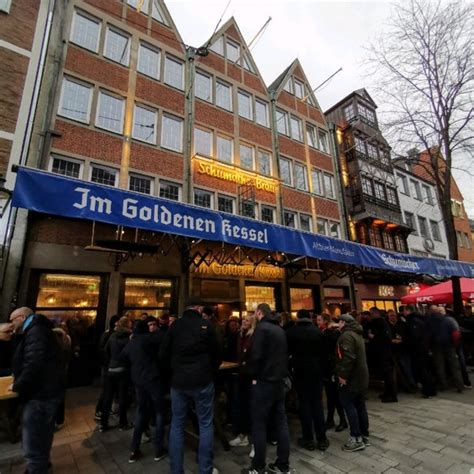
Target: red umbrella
(441, 293)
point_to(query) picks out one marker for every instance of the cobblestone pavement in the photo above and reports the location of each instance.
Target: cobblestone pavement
(412, 436)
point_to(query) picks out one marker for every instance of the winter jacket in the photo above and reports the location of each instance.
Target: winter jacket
(37, 369)
(191, 349)
(330, 337)
(416, 335)
(441, 330)
(114, 347)
(141, 355)
(305, 349)
(269, 352)
(351, 364)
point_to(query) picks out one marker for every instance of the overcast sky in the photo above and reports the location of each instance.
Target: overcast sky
(324, 35)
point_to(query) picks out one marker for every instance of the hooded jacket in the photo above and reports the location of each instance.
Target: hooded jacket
(37, 369)
(269, 351)
(351, 362)
(115, 345)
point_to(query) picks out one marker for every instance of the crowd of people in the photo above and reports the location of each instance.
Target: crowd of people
(264, 365)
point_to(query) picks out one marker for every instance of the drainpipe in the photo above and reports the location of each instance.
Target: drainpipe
(276, 156)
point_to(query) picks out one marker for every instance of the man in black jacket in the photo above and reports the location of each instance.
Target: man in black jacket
(305, 350)
(38, 380)
(191, 349)
(269, 368)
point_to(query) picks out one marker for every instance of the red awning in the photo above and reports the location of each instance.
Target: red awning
(442, 293)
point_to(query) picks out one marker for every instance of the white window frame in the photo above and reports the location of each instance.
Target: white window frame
(241, 93)
(228, 88)
(311, 130)
(123, 34)
(403, 180)
(258, 169)
(218, 46)
(99, 102)
(92, 20)
(144, 45)
(333, 184)
(153, 140)
(223, 137)
(175, 61)
(302, 214)
(225, 196)
(299, 122)
(261, 103)
(320, 180)
(167, 181)
(211, 141)
(212, 204)
(301, 166)
(326, 226)
(114, 171)
(236, 46)
(295, 216)
(210, 88)
(252, 155)
(142, 176)
(299, 83)
(89, 104)
(324, 133)
(290, 168)
(176, 119)
(284, 117)
(66, 158)
(161, 17)
(331, 223)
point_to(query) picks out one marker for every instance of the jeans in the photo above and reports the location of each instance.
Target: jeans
(269, 397)
(147, 396)
(333, 402)
(356, 411)
(310, 392)
(38, 430)
(115, 382)
(203, 399)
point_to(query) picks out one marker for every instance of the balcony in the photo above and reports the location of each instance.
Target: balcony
(357, 155)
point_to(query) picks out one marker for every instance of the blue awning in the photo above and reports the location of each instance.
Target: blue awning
(58, 195)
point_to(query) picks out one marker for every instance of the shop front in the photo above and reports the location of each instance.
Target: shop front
(383, 297)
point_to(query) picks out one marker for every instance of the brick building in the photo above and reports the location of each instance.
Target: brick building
(125, 103)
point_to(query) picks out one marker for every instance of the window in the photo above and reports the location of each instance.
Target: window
(323, 141)
(366, 114)
(388, 241)
(289, 219)
(140, 184)
(415, 189)
(391, 195)
(400, 243)
(144, 124)
(261, 113)
(103, 175)
(296, 130)
(224, 95)
(372, 151)
(402, 182)
(85, 32)
(246, 157)
(225, 204)
(375, 237)
(306, 223)
(317, 178)
(285, 171)
(289, 86)
(117, 46)
(248, 209)
(247, 63)
(224, 149)
(264, 163)
(467, 241)
(233, 51)
(218, 46)
(202, 142)
(379, 189)
(157, 13)
(311, 136)
(143, 5)
(329, 186)
(423, 227)
(367, 185)
(359, 144)
(334, 230)
(410, 222)
(172, 133)
(349, 112)
(148, 61)
(282, 122)
(267, 214)
(174, 72)
(460, 239)
(75, 101)
(457, 208)
(299, 89)
(427, 195)
(301, 178)
(435, 231)
(203, 86)
(170, 190)
(110, 111)
(66, 167)
(321, 226)
(203, 198)
(245, 105)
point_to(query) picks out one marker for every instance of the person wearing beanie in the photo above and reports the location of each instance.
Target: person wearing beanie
(305, 351)
(353, 379)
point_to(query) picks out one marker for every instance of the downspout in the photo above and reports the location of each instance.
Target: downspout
(276, 156)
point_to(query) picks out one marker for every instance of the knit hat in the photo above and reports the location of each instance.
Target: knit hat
(347, 318)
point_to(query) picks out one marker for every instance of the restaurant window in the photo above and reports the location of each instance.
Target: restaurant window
(169, 190)
(66, 167)
(267, 214)
(147, 295)
(400, 243)
(301, 298)
(248, 209)
(103, 175)
(375, 237)
(306, 223)
(388, 241)
(383, 305)
(69, 298)
(254, 295)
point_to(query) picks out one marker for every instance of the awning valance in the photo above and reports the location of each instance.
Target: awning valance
(58, 195)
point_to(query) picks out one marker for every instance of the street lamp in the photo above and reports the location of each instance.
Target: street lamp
(5, 196)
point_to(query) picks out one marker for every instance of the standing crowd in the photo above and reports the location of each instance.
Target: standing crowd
(272, 364)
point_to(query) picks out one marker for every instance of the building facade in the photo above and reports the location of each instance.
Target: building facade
(422, 214)
(373, 212)
(125, 103)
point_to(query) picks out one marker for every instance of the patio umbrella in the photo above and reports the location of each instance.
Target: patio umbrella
(441, 293)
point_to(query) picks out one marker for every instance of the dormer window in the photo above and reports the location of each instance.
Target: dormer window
(299, 89)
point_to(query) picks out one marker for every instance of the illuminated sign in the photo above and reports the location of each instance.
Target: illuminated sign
(386, 290)
(230, 173)
(247, 271)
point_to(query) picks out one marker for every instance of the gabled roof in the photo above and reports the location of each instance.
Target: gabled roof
(360, 92)
(281, 79)
(163, 10)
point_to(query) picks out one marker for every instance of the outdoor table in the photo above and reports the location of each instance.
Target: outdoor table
(9, 408)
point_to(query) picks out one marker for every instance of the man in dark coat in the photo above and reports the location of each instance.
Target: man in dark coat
(269, 368)
(305, 351)
(141, 354)
(191, 349)
(38, 380)
(353, 378)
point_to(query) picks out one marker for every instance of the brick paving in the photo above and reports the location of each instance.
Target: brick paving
(413, 436)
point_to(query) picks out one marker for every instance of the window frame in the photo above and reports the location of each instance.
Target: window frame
(123, 34)
(267, 208)
(55, 156)
(229, 198)
(155, 125)
(209, 77)
(290, 168)
(301, 166)
(290, 213)
(228, 139)
(265, 105)
(252, 156)
(323, 133)
(269, 155)
(237, 46)
(173, 59)
(141, 176)
(298, 121)
(436, 235)
(284, 115)
(204, 191)
(174, 118)
(310, 222)
(101, 93)
(211, 141)
(144, 45)
(241, 93)
(229, 88)
(92, 19)
(89, 105)
(109, 169)
(332, 182)
(172, 183)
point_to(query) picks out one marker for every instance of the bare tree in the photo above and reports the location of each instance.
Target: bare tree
(423, 65)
